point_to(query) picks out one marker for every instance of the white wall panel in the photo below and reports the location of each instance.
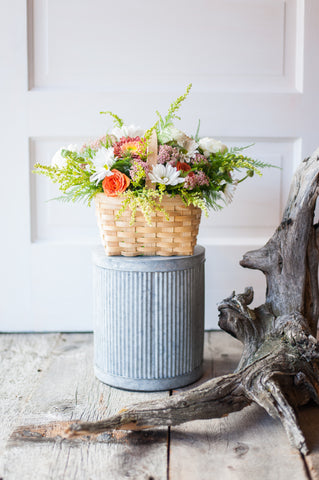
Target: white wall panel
(218, 44)
(53, 220)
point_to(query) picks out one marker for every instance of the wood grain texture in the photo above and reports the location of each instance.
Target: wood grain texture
(23, 360)
(309, 422)
(47, 380)
(67, 390)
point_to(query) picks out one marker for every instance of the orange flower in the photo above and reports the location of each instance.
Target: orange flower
(183, 166)
(115, 184)
(128, 146)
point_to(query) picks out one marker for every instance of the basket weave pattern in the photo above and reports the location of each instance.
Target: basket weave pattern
(176, 236)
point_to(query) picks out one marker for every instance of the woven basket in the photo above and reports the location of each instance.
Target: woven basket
(176, 236)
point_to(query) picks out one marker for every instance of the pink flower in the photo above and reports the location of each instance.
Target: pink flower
(168, 154)
(193, 180)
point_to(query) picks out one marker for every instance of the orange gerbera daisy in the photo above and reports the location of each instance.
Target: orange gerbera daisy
(128, 146)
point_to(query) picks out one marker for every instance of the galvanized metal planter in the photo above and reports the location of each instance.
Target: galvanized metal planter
(148, 320)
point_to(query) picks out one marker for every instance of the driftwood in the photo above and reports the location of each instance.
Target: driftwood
(279, 365)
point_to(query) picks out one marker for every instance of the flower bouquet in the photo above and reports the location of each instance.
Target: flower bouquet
(150, 186)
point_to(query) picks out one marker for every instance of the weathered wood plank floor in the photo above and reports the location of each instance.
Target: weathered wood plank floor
(49, 378)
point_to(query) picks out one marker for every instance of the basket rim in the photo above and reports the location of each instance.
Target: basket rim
(166, 199)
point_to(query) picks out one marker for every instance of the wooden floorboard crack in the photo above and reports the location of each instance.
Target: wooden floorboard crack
(307, 471)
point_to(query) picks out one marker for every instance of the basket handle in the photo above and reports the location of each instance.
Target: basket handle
(151, 157)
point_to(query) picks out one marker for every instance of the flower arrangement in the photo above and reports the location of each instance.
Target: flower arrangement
(199, 170)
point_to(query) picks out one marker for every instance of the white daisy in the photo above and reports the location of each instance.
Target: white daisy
(166, 175)
(229, 191)
(103, 161)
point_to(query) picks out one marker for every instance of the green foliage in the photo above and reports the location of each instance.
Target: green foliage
(148, 201)
(196, 138)
(117, 121)
(139, 177)
(196, 199)
(108, 142)
(164, 125)
(148, 133)
(123, 165)
(73, 179)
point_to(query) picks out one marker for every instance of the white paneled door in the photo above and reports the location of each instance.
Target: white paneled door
(254, 66)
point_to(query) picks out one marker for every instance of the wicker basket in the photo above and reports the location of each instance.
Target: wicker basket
(176, 236)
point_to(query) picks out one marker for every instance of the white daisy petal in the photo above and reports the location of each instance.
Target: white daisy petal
(104, 157)
(165, 175)
(99, 175)
(229, 191)
(103, 161)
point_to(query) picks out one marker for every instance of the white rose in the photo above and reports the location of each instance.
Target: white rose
(210, 145)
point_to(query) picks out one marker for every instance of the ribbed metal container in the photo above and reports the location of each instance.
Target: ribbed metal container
(148, 320)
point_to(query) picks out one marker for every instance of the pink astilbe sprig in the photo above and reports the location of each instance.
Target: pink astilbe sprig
(169, 154)
(197, 179)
